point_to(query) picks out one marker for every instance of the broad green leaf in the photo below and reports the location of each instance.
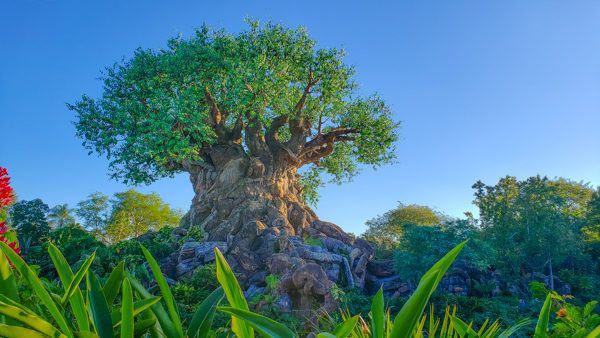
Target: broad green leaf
(98, 307)
(9, 331)
(159, 311)
(8, 285)
(203, 317)
(463, 329)
(594, 333)
(325, 335)
(378, 315)
(410, 313)
(66, 277)
(541, 328)
(85, 334)
(113, 283)
(29, 319)
(234, 295)
(263, 325)
(37, 287)
(11, 302)
(345, 328)
(127, 311)
(74, 285)
(164, 290)
(142, 326)
(138, 307)
(515, 327)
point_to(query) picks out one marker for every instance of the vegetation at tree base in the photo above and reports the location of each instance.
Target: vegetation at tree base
(421, 237)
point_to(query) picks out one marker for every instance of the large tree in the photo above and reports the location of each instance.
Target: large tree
(256, 119)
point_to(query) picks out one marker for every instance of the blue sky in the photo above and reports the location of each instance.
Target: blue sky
(483, 89)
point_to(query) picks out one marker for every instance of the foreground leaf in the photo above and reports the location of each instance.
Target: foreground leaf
(29, 319)
(164, 290)
(541, 328)
(113, 283)
(409, 315)
(138, 307)
(98, 307)
(378, 314)
(37, 287)
(234, 295)
(74, 285)
(66, 277)
(159, 311)
(263, 325)
(202, 320)
(127, 311)
(9, 331)
(345, 328)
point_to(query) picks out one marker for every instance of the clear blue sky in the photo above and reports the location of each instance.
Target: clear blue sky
(483, 89)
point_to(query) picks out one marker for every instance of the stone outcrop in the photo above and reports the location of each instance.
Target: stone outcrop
(306, 272)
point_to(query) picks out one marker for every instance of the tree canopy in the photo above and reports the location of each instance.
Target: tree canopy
(386, 231)
(533, 223)
(94, 213)
(134, 214)
(60, 216)
(268, 88)
(30, 220)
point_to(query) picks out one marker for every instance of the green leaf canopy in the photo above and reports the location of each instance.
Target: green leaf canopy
(268, 89)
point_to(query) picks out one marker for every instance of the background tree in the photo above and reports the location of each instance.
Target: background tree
(534, 224)
(29, 218)
(134, 214)
(386, 231)
(241, 114)
(94, 213)
(591, 229)
(423, 245)
(60, 216)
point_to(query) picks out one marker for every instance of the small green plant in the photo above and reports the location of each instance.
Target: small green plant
(272, 281)
(313, 241)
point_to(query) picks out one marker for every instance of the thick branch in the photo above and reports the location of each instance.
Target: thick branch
(322, 144)
(255, 140)
(272, 135)
(299, 127)
(215, 117)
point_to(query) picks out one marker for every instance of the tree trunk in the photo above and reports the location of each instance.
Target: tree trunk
(254, 213)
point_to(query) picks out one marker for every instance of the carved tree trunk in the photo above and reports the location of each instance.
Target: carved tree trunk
(254, 211)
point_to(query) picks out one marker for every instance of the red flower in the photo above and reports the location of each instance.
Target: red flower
(562, 312)
(6, 192)
(7, 234)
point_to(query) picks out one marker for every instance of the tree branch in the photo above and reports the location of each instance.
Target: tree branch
(322, 144)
